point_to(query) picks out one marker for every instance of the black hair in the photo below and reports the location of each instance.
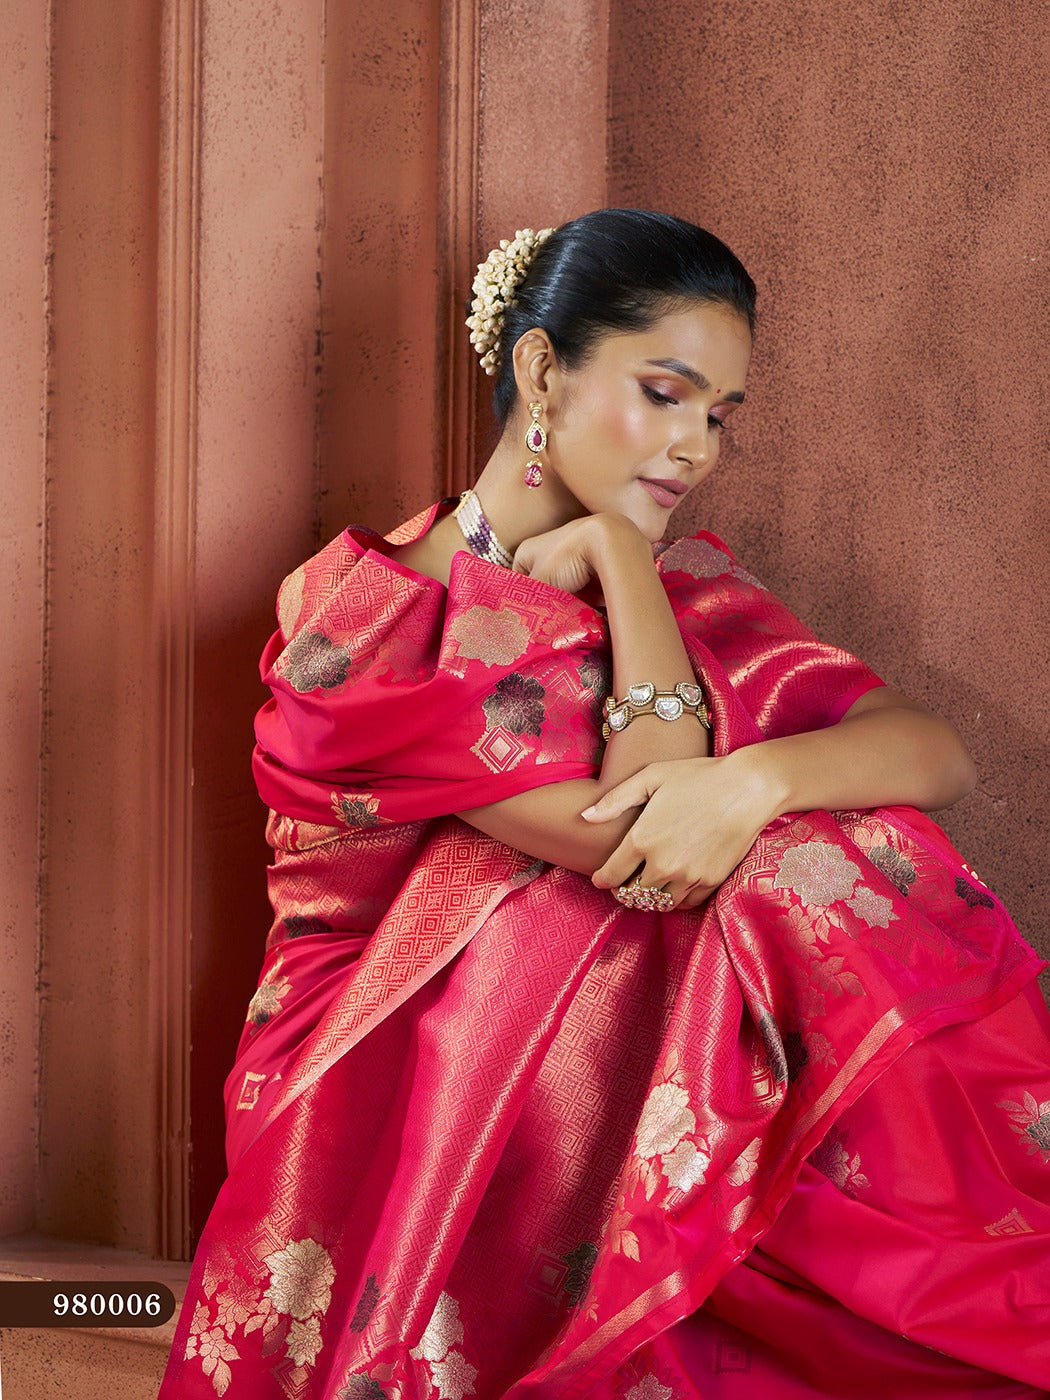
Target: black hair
(616, 270)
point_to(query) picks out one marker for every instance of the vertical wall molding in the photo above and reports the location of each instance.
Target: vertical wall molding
(176, 470)
(457, 241)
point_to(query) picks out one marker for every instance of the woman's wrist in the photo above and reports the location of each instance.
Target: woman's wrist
(762, 782)
(616, 542)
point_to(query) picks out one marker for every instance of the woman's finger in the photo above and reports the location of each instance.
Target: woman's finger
(650, 878)
(695, 895)
(634, 791)
(621, 867)
(628, 866)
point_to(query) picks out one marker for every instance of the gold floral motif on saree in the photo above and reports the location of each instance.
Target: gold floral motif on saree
(288, 1312)
(649, 1388)
(670, 1159)
(666, 1118)
(744, 1167)
(301, 1278)
(700, 558)
(495, 637)
(211, 1347)
(832, 1159)
(451, 1373)
(873, 909)
(818, 872)
(289, 833)
(269, 994)
(290, 601)
(1030, 1120)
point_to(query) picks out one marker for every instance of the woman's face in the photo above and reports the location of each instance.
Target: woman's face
(640, 423)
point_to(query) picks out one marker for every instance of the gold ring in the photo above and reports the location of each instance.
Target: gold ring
(647, 897)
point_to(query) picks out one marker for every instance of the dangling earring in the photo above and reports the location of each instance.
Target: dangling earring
(535, 441)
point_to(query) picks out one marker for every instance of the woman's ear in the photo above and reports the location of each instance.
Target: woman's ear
(535, 366)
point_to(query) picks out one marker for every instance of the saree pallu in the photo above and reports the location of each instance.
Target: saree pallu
(492, 1134)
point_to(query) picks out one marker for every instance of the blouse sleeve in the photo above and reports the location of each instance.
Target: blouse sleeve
(789, 681)
(394, 699)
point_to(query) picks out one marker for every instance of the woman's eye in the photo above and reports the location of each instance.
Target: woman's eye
(720, 423)
(654, 395)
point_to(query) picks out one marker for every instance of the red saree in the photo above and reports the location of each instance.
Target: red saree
(491, 1134)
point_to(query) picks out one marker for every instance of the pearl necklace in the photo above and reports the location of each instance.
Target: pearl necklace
(478, 533)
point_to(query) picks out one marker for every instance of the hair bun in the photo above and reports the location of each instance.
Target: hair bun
(498, 279)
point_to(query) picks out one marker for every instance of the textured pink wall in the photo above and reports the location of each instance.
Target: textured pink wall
(384, 349)
(23, 119)
(542, 114)
(419, 179)
(542, 131)
(884, 170)
(261, 214)
(890, 194)
(95, 1175)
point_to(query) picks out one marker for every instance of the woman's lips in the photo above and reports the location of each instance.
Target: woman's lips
(665, 493)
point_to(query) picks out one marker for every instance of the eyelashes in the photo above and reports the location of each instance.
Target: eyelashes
(654, 395)
(664, 400)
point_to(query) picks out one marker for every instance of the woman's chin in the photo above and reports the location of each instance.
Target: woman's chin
(654, 524)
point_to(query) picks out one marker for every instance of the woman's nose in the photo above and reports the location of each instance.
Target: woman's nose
(695, 450)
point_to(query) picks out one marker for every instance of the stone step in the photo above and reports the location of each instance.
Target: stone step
(83, 1363)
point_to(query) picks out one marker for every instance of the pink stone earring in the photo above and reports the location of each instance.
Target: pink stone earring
(535, 441)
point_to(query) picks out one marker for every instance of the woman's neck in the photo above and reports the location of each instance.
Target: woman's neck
(514, 510)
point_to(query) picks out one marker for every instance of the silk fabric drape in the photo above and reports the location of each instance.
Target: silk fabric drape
(492, 1134)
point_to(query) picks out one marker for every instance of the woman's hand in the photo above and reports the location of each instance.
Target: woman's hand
(702, 815)
(579, 551)
(699, 820)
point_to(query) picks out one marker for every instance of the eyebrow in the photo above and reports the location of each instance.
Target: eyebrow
(695, 377)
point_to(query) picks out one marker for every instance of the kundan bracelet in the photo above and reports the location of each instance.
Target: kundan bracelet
(645, 699)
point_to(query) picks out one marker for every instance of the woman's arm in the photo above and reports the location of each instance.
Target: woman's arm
(886, 750)
(646, 646)
(701, 816)
(700, 819)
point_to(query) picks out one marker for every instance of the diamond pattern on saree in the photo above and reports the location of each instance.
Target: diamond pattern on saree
(499, 749)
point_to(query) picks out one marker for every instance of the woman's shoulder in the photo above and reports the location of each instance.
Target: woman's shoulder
(702, 556)
(320, 581)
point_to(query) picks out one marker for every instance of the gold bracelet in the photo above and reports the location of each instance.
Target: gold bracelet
(645, 699)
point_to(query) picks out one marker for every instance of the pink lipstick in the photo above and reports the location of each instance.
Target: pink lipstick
(665, 492)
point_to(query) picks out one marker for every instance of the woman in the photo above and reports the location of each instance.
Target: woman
(581, 1063)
